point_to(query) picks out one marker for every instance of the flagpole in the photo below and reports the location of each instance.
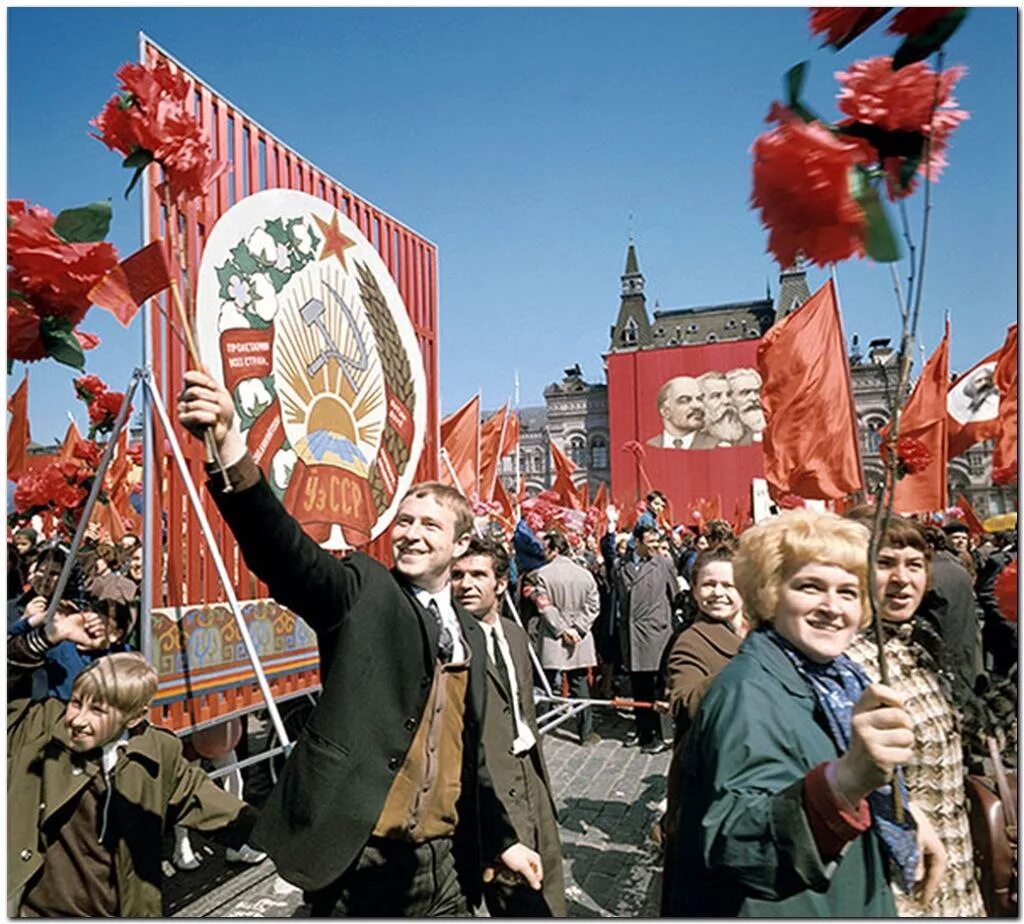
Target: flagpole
(519, 434)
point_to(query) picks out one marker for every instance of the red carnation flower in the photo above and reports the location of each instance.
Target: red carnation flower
(135, 453)
(104, 410)
(916, 20)
(24, 338)
(27, 492)
(50, 276)
(88, 451)
(802, 187)
(912, 456)
(1006, 592)
(89, 387)
(153, 113)
(874, 94)
(841, 24)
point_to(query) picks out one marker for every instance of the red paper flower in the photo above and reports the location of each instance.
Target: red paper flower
(89, 387)
(135, 453)
(89, 452)
(802, 187)
(104, 409)
(153, 113)
(1006, 592)
(838, 22)
(46, 274)
(915, 20)
(24, 339)
(874, 94)
(912, 456)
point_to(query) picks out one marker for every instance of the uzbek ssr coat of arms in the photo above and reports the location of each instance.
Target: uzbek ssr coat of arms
(301, 319)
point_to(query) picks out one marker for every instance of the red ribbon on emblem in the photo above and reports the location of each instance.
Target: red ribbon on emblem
(319, 495)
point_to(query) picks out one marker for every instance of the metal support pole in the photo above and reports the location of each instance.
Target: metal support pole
(218, 561)
(90, 501)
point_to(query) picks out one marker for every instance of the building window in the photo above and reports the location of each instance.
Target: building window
(872, 434)
(730, 324)
(578, 450)
(692, 328)
(629, 332)
(712, 338)
(524, 462)
(538, 461)
(599, 453)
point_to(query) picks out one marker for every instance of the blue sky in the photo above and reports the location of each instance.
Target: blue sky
(521, 141)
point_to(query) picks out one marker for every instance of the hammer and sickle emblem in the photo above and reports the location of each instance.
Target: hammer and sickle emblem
(313, 314)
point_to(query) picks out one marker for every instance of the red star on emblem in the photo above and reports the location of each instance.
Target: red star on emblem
(335, 243)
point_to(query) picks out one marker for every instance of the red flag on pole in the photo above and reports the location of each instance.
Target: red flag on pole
(1004, 459)
(67, 448)
(511, 440)
(17, 432)
(970, 516)
(492, 439)
(136, 278)
(810, 442)
(563, 486)
(973, 406)
(924, 419)
(460, 441)
(504, 501)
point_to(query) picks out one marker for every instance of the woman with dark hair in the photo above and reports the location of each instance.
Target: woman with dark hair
(790, 764)
(915, 656)
(696, 656)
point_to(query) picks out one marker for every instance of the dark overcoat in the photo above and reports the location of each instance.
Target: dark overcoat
(502, 765)
(648, 587)
(378, 651)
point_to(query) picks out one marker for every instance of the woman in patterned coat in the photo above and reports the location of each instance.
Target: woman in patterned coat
(935, 775)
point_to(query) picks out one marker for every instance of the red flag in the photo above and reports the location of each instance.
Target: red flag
(970, 517)
(67, 448)
(1004, 459)
(810, 442)
(504, 501)
(17, 432)
(924, 419)
(563, 486)
(511, 440)
(492, 439)
(973, 406)
(460, 442)
(136, 278)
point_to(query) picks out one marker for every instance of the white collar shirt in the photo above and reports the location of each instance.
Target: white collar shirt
(668, 441)
(443, 599)
(497, 647)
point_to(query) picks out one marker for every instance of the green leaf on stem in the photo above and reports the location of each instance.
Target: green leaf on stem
(140, 157)
(879, 240)
(84, 225)
(135, 179)
(60, 342)
(794, 85)
(919, 47)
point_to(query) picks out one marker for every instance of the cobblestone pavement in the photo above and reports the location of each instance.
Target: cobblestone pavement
(606, 795)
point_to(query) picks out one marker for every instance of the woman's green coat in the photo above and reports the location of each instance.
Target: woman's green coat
(745, 846)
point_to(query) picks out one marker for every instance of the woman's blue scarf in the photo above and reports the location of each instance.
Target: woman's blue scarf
(837, 686)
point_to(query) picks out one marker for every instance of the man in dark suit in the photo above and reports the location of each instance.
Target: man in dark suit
(385, 806)
(512, 742)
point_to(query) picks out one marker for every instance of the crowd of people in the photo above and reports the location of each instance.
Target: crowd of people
(799, 783)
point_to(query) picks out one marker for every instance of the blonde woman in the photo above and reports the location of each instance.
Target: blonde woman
(789, 764)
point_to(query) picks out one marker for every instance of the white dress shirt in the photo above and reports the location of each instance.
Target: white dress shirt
(497, 647)
(443, 599)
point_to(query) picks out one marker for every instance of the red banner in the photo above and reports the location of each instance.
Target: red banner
(319, 495)
(690, 420)
(247, 354)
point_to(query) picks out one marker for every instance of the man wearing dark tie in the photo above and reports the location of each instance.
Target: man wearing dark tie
(385, 806)
(511, 741)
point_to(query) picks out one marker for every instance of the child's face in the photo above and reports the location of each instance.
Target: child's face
(91, 724)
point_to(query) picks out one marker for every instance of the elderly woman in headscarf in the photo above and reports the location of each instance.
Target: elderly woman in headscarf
(921, 671)
(790, 764)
